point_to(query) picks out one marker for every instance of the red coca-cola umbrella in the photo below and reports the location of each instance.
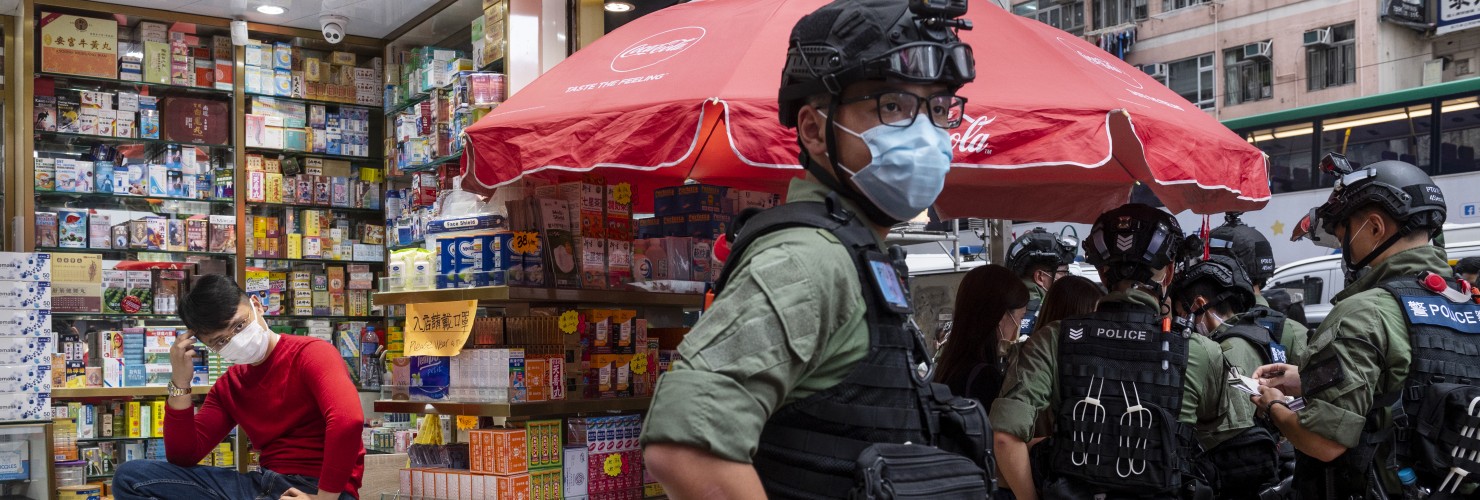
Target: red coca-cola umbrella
(1057, 129)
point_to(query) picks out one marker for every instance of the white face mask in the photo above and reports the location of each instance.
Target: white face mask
(1204, 328)
(248, 346)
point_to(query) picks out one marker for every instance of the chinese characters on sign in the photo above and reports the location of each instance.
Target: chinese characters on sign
(77, 45)
(1455, 15)
(439, 328)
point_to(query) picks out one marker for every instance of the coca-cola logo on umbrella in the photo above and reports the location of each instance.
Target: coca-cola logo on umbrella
(657, 48)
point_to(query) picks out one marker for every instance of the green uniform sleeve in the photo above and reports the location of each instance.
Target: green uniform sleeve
(1368, 337)
(1244, 356)
(1205, 402)
(764, 334)
(1297, 342)
(1029, 388)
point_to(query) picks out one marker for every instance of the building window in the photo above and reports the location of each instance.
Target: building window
(1067, 16)
(1248, 74)
(1332, 61)
(1110, 13)
(1171, 5)
(1192, 79)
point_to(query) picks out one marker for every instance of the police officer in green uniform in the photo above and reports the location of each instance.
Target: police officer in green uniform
(1125, 388)
(1399, 330)
(1040, 258)
(806, 359)
(1256, 256)
(1212, 294)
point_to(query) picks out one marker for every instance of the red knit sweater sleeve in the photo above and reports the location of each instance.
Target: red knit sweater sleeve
(190, 434)
(329, 383)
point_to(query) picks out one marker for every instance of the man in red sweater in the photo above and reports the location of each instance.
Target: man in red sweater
(291, 395)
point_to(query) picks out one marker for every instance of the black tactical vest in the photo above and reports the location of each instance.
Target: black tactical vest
(808, 448)
(1444, 338)
(1256, 334)
(1120, 386)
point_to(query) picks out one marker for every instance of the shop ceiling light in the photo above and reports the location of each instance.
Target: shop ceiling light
(271, 10)
(618, 7)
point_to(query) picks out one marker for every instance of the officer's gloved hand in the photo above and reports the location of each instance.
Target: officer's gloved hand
(1284, 377)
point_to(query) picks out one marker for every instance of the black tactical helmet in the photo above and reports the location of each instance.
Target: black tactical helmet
(1399, 189)
(849, 41)
(1226, 275)
(1040, 247)
(1132, 241)
(1246, 245)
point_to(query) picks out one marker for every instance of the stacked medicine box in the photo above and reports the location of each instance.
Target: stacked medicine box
(26, 347)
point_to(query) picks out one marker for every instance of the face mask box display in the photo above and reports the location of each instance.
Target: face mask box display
(25, 378)
(25, 295)
(25, 350)
(25, 406)
(26, 322)
(25, 266)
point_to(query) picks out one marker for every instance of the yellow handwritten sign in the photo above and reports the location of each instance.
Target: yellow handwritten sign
(613, 465)
(639, 364)
(439, 328)
(526, 242)
(569, 320)
(622, 193)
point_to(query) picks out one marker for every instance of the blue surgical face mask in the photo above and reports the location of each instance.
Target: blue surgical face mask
(908, 169)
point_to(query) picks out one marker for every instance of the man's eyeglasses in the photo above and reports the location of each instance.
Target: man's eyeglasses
(899, 109)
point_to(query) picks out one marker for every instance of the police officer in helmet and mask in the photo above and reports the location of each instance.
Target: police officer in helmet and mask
(1398, 343)
(1128, 392)
(1040, 258)
(1211, 294)
(807, 363)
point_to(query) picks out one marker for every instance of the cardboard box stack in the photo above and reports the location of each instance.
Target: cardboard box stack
(26, 360)
(279, 69)
(613, 457)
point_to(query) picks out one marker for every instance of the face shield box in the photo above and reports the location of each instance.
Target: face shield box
(25, 378)
(25, 266)
(26, 322)
(25, 350)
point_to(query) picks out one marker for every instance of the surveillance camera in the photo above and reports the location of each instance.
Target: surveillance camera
(333, 27)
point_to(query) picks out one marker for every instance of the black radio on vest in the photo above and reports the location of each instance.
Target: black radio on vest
(886, 431)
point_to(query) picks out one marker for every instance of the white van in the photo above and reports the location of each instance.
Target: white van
(1316, 281)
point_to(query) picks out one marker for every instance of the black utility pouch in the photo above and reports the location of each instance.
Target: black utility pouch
(964, 429)
(903, 471)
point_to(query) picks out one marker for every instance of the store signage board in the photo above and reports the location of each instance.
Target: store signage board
(1456, 15)
(76, 45)
(1413, 11)
(439, 328)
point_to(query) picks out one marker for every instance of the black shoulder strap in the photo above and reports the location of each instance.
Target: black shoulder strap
(828, 215)
(1252, 333)
(1270, 319)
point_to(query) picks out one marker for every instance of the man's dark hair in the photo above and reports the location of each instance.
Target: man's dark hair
(1468, 265)
(1045, 264)
(211, 303)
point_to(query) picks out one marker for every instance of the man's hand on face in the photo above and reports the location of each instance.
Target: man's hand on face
(295, 494)
(182, 360)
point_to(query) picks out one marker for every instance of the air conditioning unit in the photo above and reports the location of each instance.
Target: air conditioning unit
(1318, 37)
(1155, 70)
(1260, 50)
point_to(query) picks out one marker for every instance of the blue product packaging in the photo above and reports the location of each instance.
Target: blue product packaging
(449, 262)
(103, 177)
(430, 377)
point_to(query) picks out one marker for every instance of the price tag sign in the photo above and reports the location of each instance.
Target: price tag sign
(569, 320)
(639, 364)
(613, 465)
(439, 328)
(622, 193)
(526, 242)
(466, 423)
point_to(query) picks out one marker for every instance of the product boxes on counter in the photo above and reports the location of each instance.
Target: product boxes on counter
(25, 294)
(498, 451)
(25, 266)
(25, 350)
(16, 406)
(26, 322)
(77, 283)
(25, 378)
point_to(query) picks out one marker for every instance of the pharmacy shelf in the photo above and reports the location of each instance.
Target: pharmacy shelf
(539, 409)
(119, 392)
(403, 106)
(414, 244)
(509, 294)
(307, 154)
(77, 82)
(317, 261)
(350, 210)
(304, 100)
(111, 197)
(111, 317)
(431, 165)
(289, 317)
(130, 251)
(64, 137)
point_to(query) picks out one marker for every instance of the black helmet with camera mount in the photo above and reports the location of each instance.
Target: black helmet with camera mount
(1246, 245)
(1039, 247)
(1401, 190)
(1226, 275)
(1133, 241)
